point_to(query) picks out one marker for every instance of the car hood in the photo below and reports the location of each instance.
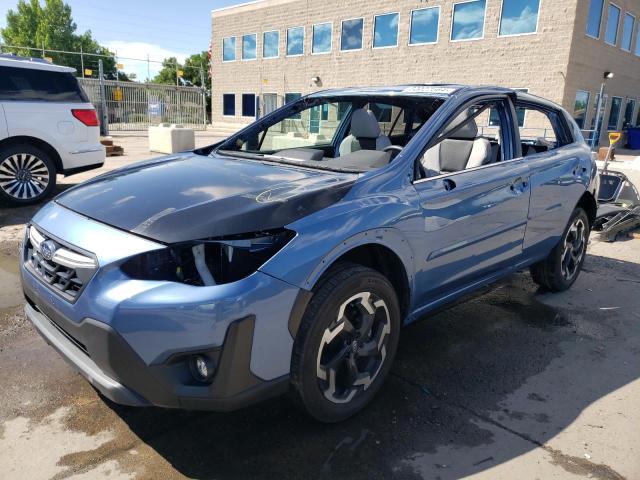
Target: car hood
(190, 196)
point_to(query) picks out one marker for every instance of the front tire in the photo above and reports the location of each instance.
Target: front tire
(27, 174)
(346, 343)
(563, 265)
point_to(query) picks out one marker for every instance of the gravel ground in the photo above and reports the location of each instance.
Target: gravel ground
(514, 383)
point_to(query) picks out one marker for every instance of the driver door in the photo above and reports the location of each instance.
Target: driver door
(474, 217)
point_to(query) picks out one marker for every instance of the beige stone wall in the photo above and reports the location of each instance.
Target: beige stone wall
(538, 62)
(590, 58)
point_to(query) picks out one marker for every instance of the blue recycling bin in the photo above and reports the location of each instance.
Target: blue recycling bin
(633, 138)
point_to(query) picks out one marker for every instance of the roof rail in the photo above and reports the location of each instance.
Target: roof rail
(13, 56)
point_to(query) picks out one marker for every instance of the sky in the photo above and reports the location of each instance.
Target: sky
(137, 28)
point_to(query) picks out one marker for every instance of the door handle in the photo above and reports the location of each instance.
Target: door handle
(448, 184)
(519, 185)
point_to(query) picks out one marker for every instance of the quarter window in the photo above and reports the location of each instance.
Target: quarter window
(229, 104)
(351, 34)
(295, 41)
(229, 49)
(611, 33)
(627, 32)
(519, 17)
(322, 38)
(385, 30)
(248, 105)
(580, 108)
(594, 20)
(271, 44)
(424, 26)
(614, 115)
(468, 20)
(249, 47)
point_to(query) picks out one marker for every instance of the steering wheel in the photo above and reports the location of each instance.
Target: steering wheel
(393, 148)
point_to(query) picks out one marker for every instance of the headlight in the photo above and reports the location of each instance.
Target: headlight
(211, 261)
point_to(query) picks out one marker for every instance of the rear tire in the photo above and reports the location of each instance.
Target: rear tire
(563, 265)
(346, 343)
(27, 174)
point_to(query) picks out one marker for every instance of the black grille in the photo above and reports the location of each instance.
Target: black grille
(65, 280)
(60, 277)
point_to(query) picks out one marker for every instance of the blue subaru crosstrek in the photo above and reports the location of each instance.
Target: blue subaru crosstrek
(288, 257)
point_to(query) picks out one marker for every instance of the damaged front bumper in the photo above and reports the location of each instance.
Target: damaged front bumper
(134, 339)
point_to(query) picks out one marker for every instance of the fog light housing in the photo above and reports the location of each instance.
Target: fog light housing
(202, 368)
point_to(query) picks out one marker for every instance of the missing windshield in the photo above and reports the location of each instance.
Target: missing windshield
(356, 133)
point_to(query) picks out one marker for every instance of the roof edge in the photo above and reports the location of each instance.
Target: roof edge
(247, 6)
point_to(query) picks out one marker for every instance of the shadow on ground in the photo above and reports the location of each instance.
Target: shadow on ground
(446, 398)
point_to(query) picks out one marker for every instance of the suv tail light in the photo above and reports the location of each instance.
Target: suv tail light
(87, 116)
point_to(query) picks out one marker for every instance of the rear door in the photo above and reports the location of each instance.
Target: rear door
(559, 172)
(475, 218)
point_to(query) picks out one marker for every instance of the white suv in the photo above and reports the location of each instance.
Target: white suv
(47, 127)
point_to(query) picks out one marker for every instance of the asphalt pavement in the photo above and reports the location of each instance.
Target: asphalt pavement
(513, 383)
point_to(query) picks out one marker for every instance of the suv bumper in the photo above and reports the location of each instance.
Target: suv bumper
(110, 365)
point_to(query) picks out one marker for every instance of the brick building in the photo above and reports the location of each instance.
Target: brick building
(273, 51)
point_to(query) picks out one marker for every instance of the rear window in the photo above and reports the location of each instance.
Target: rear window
(24, 84)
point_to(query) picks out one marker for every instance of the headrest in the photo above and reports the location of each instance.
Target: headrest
(468, 132)
(364, 124)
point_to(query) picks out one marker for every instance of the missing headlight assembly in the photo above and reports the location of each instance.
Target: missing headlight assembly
(209, 262)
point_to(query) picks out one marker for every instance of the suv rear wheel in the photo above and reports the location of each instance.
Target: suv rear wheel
(27, 174)
(346, 343)
(562, 267)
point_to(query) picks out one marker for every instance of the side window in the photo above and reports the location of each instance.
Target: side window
(545, 130)
(25, 84)
(474, 138)
(389, 117)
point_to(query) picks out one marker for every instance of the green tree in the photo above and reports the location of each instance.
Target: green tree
(50, 26)
(190, 71)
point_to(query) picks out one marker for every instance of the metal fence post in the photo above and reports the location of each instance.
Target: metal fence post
(104, 124)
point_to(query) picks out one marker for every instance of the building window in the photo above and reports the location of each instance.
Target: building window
(628, 112)
(385, 30)
(271, 44)
(613, 20)
(519, 17)
(229, 105)
(229, 49)
(295, 41)
(293, 97)
(594, 20)
(580, 108)
(248, 105)
(468, 20)
(351, 34)
(321, 41)
(627, 32)
(637, 50)
(249, 50)
(424, 26)
(614, 115)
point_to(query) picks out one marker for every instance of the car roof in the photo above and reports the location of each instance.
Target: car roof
(16, 61)
(439, 90)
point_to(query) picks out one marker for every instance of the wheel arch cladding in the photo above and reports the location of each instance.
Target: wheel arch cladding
(38, 143)
(382, 250)
(588, 203)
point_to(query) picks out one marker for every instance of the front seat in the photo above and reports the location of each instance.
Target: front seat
(464, 149)
(365, 134)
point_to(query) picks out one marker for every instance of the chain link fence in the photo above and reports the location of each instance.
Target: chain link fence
(130, 106)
